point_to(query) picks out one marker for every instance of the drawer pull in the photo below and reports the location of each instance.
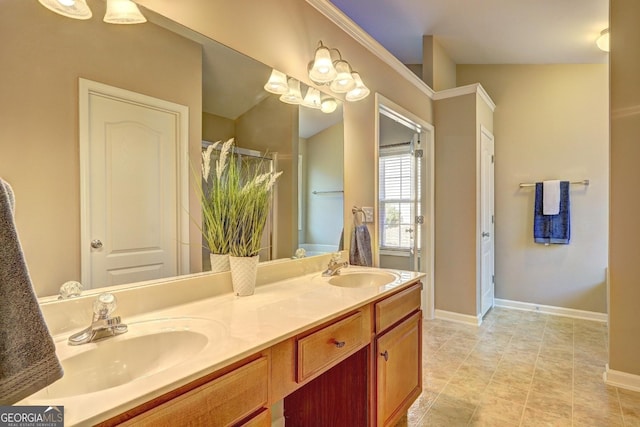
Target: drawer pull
(385, 355)
(339, 344)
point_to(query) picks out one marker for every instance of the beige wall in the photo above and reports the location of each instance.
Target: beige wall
(438, 69)
(624, 255)
(288, 44)
(550, 123)
(216, 128)
(455, 204)
(44, 54)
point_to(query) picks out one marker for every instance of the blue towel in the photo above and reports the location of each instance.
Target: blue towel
(552, 228)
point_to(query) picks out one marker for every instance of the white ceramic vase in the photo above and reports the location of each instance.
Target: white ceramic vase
(219, 262)
(244, 271)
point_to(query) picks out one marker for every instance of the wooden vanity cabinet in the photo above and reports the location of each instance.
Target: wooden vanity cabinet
(239, 397)
(398, 354)
(373, 387)
(362, 368)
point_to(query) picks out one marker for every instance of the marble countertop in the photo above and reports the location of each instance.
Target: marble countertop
(237, 327)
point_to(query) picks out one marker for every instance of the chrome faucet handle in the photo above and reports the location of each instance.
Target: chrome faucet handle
(70, 289)
(104, 305)
(335, 257)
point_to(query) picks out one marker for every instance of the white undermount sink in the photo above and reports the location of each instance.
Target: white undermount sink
(148, 348)
(362, 279)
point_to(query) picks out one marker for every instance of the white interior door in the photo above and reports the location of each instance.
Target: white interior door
(487, 249)
(132, 188)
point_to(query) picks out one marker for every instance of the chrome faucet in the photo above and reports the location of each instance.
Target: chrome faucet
(334, 266)
(102, 325)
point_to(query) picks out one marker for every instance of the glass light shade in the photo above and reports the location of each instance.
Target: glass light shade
(123, 12)
(312, 98)
(603, 40)
(360, 91)
(344, 81)
(293, 95)
(76, 9)
(277, 83)
(329, 104)
(321, 70)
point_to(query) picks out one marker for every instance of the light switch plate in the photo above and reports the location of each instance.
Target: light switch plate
(368, 213)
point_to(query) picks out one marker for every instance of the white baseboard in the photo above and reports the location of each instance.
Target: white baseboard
(549, 309)
(458, 317)
(622, 379)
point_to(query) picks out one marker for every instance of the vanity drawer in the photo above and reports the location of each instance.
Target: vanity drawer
(221, 402)
(319, 350)
(396, 307)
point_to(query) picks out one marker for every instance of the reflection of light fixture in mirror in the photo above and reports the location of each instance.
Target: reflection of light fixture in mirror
(321, 69)
(293, 95)
(123, 12)
(360, 91)
(344, 81)
(277, 83)
(312, 98)
(76, 9)
(329, 104)
(603, 40)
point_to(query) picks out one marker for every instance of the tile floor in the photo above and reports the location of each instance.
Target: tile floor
(519, 369)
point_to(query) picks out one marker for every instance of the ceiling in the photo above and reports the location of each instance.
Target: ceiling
(486, 31)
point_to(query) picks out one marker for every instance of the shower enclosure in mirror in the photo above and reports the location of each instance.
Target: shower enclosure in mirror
(222, 89)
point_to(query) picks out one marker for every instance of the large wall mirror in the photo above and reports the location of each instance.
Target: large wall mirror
(46, 55)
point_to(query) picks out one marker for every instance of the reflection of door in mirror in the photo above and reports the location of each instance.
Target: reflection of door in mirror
(132, 177)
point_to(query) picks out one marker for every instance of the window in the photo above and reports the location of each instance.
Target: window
(398, 201)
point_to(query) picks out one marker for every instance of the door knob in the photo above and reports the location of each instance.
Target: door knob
(96, 244)
(486, 234)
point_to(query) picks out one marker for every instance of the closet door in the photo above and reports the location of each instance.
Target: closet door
(487, 241)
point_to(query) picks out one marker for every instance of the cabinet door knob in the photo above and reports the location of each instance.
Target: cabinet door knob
(339, 344)
(385, 355)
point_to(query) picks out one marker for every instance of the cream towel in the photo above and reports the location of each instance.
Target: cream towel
(28, 360)
(551, 197)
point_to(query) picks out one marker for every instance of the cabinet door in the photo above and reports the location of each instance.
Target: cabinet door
(399, 369)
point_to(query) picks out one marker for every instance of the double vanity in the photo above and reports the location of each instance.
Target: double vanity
(337, 350)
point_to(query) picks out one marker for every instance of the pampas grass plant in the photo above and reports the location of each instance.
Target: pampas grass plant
(235, 206)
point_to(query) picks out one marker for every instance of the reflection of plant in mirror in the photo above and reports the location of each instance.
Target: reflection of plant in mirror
(215, 203)
(235, 202)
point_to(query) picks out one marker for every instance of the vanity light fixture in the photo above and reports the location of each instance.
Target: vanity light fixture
(76, 9)
(289, 90)
(321, 69)
(293, 95)
(360, 91)
(343, 82)
(336, 73)
(123, 12)
(277, 83)
(312, 98)
(603, 40)
(328, 105)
